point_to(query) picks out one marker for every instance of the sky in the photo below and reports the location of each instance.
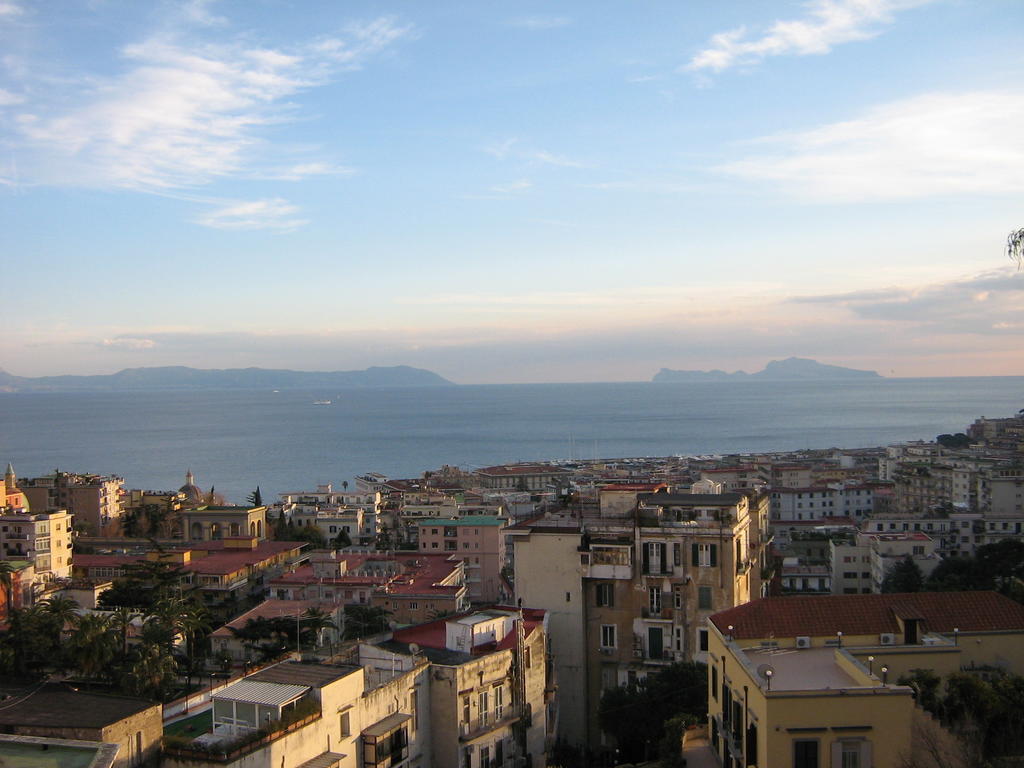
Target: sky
(511, 192)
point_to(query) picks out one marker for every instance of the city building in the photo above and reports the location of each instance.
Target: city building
(230, 575)
(94, 501)
(41, 538)
(62, 711)
(412, 587)
(523, 477)
(215, 522)
(630, 593)
(477, 540)
(491, 699)
(813, 681)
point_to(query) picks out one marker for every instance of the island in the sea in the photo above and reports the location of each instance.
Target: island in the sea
(181, 377)
(790, 369)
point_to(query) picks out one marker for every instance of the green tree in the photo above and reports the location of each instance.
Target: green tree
(363, 620)
(255, 498)
(626, 712)
(904, 576)
(91, 647)
(342, 540)
(308, 533)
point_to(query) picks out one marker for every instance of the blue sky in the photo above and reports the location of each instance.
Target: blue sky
(507, 192)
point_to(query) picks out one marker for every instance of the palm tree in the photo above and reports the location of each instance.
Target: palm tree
(121, 621)
(151, 670)
(91, 648)
(63, 611)
(1015, 247)
(314, 621)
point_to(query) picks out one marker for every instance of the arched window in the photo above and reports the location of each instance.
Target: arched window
(252, 529)
(235, 530)
(197, 532)
(215, 531)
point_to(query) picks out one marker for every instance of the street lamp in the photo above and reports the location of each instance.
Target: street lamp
(871, 665)
(839, 638)
(730, 633)
(768, 676)
(885, 675)
(956, 635)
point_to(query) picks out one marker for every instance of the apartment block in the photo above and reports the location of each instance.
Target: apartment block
(93, 500)
(812, 681)
(43, 539)
(477, 540)
(631, 593)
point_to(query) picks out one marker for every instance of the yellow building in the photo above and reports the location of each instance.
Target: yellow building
(810, 682)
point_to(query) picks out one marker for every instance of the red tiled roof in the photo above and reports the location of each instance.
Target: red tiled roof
(219, 561)
(823, 616)
(433, 634)
(271, 609)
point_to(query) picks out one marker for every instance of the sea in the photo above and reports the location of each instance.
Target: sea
(292, 440)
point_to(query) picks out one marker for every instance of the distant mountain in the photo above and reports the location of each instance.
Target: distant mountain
(790, 369)
(180, 377)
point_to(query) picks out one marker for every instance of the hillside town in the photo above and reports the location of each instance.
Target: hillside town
(845, 608)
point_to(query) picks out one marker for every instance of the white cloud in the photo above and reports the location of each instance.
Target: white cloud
(128, 342)
(828, 23)
(514, 148)
(198, 12)
(181, 114)
(540, 22)
(929, 145)
(512, 187)
(273, 213)
(9, 8)
(302, 171)
(8, 99)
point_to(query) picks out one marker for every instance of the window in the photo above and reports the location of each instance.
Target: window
(705, 555)
(702, 639)
(704, 598)
(485, 757)
(344, 727)
(654, 599)
(499, 703)
(714, 679)
(484, 708)
(608, 635)
(677, 554)
(677, 597)
(805, 753)
(465, 709)
(606, 595)
(654, 557)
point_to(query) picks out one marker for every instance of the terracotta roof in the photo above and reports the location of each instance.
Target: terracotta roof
(433, 634)
(273, 609)
(823, 616)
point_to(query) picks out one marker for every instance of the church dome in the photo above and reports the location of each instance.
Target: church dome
(191, 490)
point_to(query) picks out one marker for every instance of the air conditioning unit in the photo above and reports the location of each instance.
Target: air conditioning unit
(605, 651)
(887, 638)
(803, 642)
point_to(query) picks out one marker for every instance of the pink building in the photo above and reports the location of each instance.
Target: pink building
(478, 541)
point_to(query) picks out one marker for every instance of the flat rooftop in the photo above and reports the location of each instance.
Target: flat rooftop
(809, 669)
(299, 673)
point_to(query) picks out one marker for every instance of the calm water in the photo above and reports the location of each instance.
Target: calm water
(284, 442)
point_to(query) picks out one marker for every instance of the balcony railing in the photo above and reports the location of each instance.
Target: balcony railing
(481, 725)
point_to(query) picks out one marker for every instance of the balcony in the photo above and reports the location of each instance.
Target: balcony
(478, 726)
